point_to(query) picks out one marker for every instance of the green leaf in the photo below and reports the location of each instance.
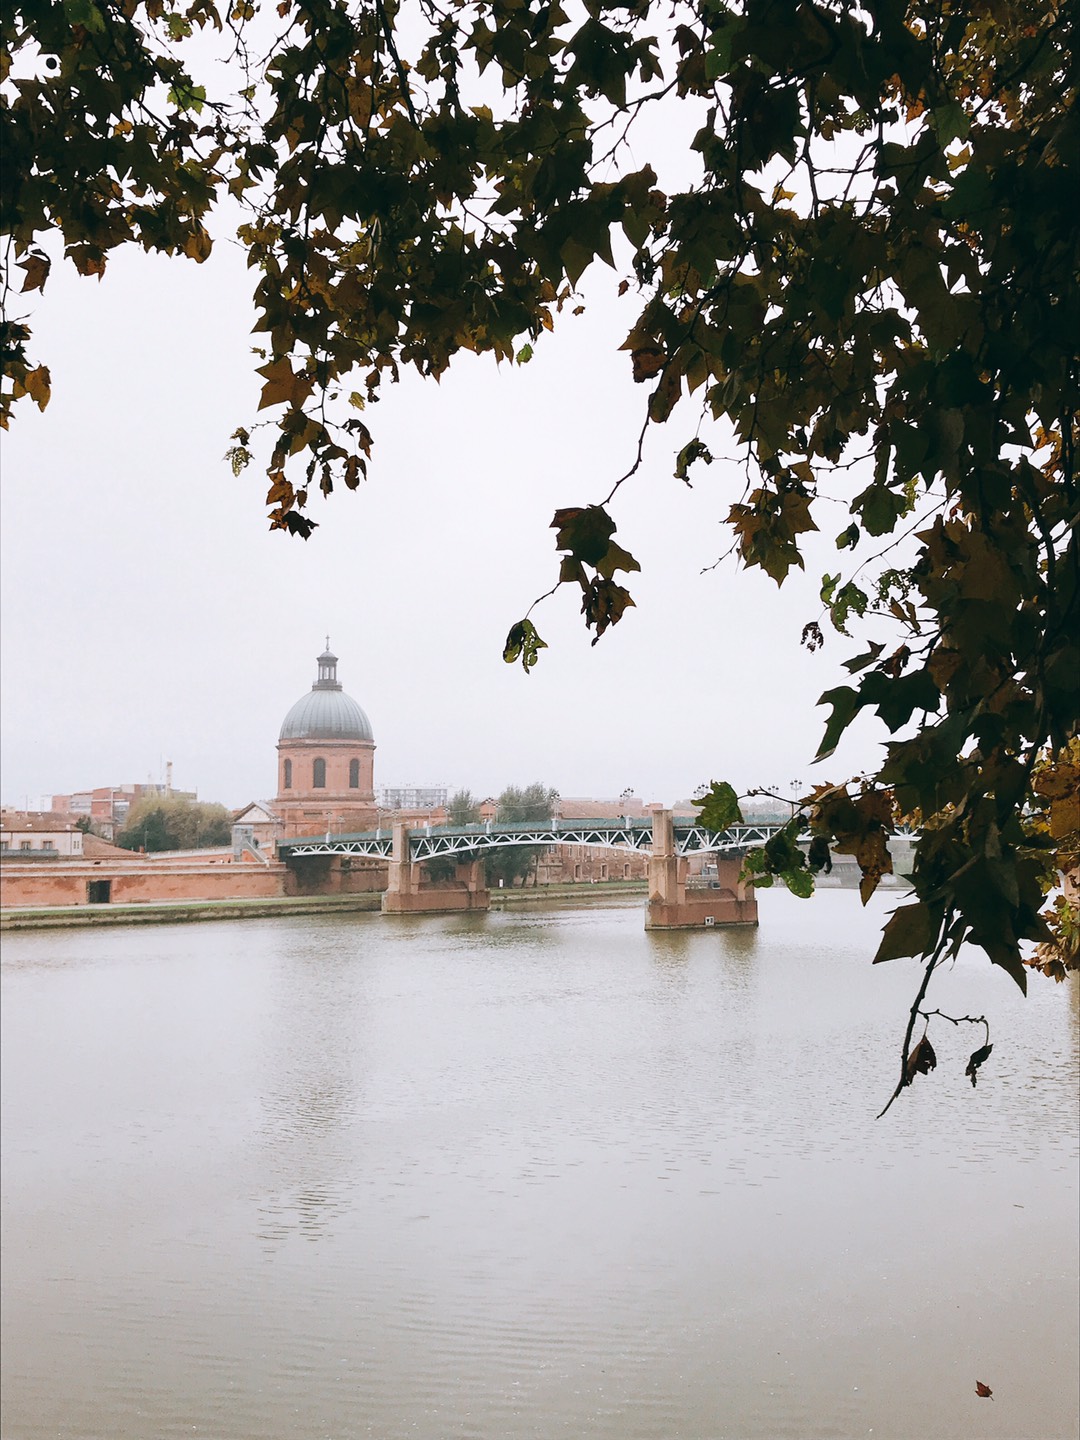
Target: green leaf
(860, 662)
(800, 882)
(695, 450)
(86, 14)
(719, 807)
(849, 598)
(846, 705)
(186, 96)
(523, 642)
(880, 507)
(718, 54)
(951, 122)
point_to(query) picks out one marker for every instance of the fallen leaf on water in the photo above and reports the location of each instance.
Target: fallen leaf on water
(983, 1391)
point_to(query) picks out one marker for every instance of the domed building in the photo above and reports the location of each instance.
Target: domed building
(326, 755)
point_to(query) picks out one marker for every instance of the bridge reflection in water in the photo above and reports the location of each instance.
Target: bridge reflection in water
(669, 843)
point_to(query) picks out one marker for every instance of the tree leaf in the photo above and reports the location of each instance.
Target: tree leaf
(37, 267)
(719, 807)
(921, 1060)
(979, 1057)
(846, 705)
(523, 643)
(911, 930)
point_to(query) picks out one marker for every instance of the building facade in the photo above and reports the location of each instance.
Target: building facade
(37, 834)
(411, 797)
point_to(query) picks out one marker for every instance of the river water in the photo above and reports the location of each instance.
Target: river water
(529, 1175)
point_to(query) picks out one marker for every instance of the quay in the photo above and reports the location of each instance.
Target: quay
(176, 912)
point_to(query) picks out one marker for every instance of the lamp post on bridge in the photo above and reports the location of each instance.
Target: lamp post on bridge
(794, 786)
(379, 813)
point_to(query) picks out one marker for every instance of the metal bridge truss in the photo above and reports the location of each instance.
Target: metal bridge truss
(434, 841)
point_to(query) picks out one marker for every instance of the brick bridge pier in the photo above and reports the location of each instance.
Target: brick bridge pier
(671, 905)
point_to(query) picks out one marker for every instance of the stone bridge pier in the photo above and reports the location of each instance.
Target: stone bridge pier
(409, 893)
(673, 907)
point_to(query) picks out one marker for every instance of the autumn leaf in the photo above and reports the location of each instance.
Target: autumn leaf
(293, 522)
(647, 361)
(909, 931)
(604, 603)
(281, 493)
(37, 267)
(983, 1391)
(88, 259)
(584, 531)
(819, 856)
(282, 386)
(921, 1060)
(37, 385)
(198, 245)
(978, 1058)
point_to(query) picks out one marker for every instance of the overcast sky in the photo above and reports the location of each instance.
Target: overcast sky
(148, 614)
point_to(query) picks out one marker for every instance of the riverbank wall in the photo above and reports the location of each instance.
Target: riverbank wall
(179, 877)
(65, 917)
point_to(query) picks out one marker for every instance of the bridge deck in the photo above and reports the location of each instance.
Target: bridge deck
(427, 842)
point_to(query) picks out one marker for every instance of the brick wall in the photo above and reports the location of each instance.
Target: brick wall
(137, 883)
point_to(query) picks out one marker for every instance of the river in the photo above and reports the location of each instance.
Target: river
(533, 1174)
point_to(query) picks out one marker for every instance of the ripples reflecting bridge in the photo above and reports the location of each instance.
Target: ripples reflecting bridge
(669, 843)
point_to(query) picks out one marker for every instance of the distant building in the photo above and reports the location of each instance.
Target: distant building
(580, 807)
(108, 806)
(326, 758)
(411, 797)
(256, 826)
(38, 834)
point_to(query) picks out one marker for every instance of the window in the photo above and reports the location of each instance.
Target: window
(626, 870)
(603, 872)
(26, 845)
(98, 892)
(354, 774)
(286, 775)
(318, 775)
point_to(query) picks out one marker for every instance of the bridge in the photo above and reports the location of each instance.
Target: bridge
(669, 843)
(434, 841)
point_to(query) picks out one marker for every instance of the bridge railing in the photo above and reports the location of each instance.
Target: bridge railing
(431, 841)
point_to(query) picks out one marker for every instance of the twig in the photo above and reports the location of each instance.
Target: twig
(931, 966)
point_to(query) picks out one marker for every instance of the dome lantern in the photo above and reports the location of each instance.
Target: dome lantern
(327, 663)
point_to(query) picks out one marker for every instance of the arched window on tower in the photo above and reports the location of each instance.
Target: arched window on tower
(286, 775)
(318, 775)
(354, 774)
